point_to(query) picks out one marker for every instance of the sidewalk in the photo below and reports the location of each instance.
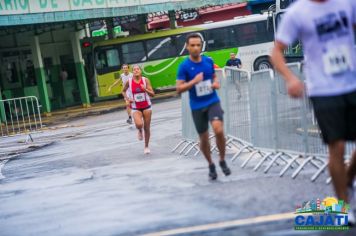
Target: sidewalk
(98, 108)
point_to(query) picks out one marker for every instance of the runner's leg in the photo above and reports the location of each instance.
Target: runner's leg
(201, 122)
(218, 127)
(147, 114)
(351, 170)
(205, 146)
(137, 115)
(129, 112)
(351, 119)
(205, 149)
(337, 169)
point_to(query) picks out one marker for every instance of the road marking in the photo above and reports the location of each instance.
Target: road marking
(2, 164)
(225, 224)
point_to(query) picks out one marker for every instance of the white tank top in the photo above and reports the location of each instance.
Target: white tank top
(125, 79)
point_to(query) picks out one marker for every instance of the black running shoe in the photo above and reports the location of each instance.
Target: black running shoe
(212, 172)
(129, 121)
(225, 168)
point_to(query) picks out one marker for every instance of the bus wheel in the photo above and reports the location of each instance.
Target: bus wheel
(262, 64)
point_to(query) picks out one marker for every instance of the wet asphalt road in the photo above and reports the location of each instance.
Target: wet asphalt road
(93, 179)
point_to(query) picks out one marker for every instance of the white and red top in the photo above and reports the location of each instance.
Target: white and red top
(139, 96)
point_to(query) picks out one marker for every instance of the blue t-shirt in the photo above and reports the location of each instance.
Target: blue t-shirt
(188, 70)
(235, 62)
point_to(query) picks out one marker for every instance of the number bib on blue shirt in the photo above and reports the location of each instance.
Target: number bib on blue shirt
(203, 88)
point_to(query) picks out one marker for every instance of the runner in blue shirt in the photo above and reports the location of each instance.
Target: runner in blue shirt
(196, 74)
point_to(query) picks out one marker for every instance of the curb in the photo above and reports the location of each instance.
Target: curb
(98, 111)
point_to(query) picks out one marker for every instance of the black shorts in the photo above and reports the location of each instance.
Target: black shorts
(336, 116)
(140, 109)
(203, 116)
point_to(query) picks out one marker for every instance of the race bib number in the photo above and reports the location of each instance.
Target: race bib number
(140, 97)
(337, 60)
(203, 88)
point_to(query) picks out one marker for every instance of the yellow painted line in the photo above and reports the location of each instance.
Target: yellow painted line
(225, 224)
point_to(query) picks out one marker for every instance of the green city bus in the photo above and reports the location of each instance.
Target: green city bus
(160, 53)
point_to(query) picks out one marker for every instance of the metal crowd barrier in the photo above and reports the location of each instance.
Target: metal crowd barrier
(262, 120)
(237, 112)
(21, 116)
(190, 136)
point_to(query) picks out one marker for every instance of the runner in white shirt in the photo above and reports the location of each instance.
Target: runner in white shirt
(124, 78)
(325, 28)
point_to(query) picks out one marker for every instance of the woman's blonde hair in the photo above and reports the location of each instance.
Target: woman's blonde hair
(136, 65)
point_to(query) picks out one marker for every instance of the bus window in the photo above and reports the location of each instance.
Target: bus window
(180, 44)
(100, 59)
(160, 48)
(221, 38)
(107, 60)
(112, 56)
(133, 52)
(253, 33)
(285, 3)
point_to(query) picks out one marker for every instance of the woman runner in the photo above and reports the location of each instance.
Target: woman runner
(141, 91)
(125, 76)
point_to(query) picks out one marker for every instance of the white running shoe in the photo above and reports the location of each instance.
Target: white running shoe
(140, 135)
(147, 151)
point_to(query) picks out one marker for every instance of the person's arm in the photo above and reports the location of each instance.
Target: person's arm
(228, 63)
(126, 87)
(148, 89)
(294, 85)
(216, 83)
(181, 84)
(288, 32)
(240, 64)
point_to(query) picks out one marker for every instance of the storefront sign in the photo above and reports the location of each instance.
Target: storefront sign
(9, 7)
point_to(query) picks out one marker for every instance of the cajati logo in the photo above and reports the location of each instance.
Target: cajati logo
(327, 214)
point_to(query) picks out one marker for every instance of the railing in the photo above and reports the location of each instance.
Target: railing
(20, 116)
(264, 122)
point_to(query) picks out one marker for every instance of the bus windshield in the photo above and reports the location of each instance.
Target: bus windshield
(295, 50)
(285, 3)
